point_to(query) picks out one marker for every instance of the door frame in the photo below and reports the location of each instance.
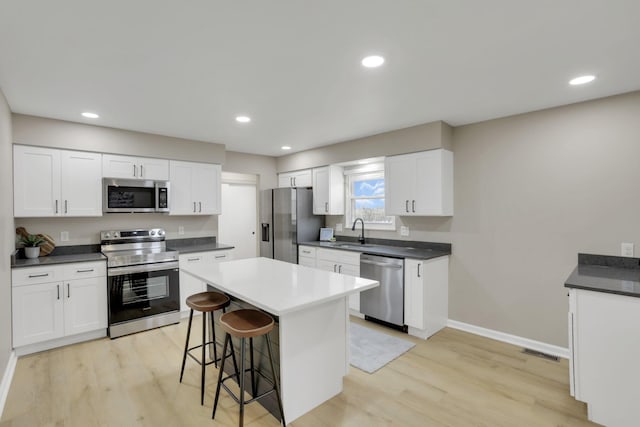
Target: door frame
(245, 179)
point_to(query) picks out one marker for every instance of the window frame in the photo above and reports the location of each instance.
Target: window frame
(370, 171)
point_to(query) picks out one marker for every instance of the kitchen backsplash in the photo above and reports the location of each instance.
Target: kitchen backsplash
(86, 231)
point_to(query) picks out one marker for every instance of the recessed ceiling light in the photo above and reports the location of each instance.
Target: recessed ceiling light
(90, 115)
(286, 147)
(243, 119)
(373, 61)
(581, 80)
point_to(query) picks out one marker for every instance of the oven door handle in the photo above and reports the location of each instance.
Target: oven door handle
(143, 268)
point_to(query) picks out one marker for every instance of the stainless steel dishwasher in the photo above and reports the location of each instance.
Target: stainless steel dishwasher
(386, 302)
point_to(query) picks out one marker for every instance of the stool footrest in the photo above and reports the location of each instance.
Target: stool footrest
(200, 346)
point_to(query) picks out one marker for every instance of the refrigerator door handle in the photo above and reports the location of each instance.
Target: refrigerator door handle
(265, 231)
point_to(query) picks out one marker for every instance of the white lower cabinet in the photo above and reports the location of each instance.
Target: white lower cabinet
(604, 353)
(189, 285)
(307, 256)
(338, 261)
(426, 295)
(58, 301)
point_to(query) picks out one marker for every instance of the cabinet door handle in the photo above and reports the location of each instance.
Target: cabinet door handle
(339, 269)
(326, 206)
(141, 172)
(31, 276)
(56, 206)
(418, 270)
(68, 291)
(406, 205)
(294, 181)
(413, 206)
(66, 206)
(134, 170)
(291, 181)
(58, 286)
(193, 259)
(220, 256)
(306, 252)
(334, 268)
(194, 206)
(199, 206)
(85, 271)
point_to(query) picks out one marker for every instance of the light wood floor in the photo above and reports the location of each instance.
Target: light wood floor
(452, 379)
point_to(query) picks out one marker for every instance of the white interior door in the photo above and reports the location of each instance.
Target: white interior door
(237, 223)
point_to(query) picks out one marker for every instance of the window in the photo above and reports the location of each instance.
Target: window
(365, 199)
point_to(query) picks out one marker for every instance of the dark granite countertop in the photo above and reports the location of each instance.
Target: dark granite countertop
(196, 244)
(60, 255)
(609, 274)
(392, 248)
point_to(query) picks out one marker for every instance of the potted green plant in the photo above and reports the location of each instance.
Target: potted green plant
(31, 244)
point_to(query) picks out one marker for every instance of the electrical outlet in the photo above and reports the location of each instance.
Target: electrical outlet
(180, 230)
(339, 227)
(626, 249)
(64, 236)
(404, 231)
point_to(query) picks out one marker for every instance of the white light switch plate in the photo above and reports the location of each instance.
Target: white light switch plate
(404, 231)
(180, 230)
(64, 236)
(626, 249)
(339, 227)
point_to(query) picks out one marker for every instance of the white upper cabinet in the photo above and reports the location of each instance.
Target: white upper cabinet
(128, 167)
(328, 191)
(301, 178)
(49, 182)
(81, 183)
(419, 184)
(195, 188)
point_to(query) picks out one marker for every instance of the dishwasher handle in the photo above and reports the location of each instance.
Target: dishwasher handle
(380, 264)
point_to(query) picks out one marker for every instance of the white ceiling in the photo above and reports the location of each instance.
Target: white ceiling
(187, 68)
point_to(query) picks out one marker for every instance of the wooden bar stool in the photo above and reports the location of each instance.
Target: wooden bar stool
(205, 302)
(245, 324)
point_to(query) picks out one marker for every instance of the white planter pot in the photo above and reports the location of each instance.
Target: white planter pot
(32, 251)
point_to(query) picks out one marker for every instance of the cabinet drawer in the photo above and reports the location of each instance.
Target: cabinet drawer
(35, 275)
(84, 269)
(306, 251)
(219, 256)
(192, 259)
(341, 257)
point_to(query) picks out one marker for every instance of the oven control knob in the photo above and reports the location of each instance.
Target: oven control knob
(160, 232)
(153, 232)
(107, 235)
(115, 235)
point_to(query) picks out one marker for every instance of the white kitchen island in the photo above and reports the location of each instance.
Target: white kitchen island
(312, 311)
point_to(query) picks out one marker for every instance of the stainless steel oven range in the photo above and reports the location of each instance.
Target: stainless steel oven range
(142, 280)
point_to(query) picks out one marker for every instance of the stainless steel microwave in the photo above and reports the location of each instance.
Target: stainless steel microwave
(132, 195)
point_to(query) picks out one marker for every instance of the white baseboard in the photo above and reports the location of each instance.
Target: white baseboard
(60, 342)
(553, 350)
(6, 380)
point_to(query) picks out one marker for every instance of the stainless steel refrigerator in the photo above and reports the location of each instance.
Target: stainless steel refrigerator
(286, 219)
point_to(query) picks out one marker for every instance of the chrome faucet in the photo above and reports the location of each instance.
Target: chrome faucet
(361, 238)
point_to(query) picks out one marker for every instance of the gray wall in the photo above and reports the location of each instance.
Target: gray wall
(30, 130)
(40, 131)
(7, 232)
(531, 191)
(417, 138)
(263, 166)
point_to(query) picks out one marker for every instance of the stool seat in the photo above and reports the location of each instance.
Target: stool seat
(246, 323)
(207, 301)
